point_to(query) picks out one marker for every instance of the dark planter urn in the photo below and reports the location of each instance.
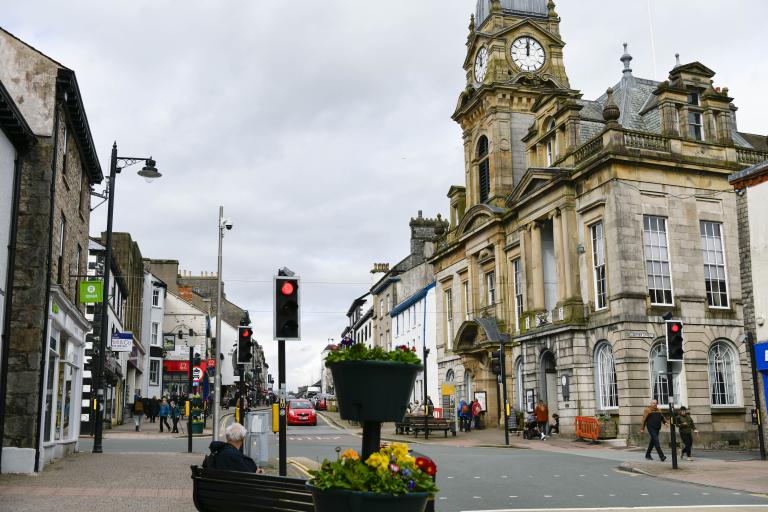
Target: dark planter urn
(373, 391)
(342, 500)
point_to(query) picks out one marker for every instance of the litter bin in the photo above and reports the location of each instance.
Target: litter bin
(258, 424)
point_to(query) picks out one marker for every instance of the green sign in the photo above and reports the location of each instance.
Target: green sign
(91, 292)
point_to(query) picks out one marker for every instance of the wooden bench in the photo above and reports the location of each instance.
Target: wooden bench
(404, 426)
(432, 424)
(225, 491)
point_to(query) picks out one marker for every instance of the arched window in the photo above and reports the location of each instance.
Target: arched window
(659, 376)
(605, 377)
(519, 385)
(723, 370)
(449, 376)
(484, 169)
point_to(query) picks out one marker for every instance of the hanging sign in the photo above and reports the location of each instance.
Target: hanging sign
(122, 342)
(91, 292)
(761, 356)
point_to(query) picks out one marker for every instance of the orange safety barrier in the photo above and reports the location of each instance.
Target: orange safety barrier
(587, 428)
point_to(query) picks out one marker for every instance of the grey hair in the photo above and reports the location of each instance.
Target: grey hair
(235, 432)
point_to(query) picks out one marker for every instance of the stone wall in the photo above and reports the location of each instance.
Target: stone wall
(127, 255)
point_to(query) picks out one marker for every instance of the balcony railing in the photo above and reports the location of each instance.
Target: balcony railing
(750, 157)
(637, 140)
(588, 149)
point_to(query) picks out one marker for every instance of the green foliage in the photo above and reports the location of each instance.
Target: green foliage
(360, 352)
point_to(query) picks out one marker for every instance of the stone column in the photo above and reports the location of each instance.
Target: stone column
(566, 252)
(537, 269)
(557, 232)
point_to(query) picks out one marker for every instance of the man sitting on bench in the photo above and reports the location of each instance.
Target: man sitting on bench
(227, 456)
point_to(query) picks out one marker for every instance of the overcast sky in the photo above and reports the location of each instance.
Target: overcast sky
(322, 127)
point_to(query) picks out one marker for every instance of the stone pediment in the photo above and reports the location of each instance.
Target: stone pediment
(533, 180)
(472, 333)
(477, 216)
(535, 27)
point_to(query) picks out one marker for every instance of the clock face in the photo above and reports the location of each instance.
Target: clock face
(527, 53)
(481, 65)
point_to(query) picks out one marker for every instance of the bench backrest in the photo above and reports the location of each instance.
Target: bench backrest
(225, 491)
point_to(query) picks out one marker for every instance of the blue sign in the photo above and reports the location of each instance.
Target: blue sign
(761, 356)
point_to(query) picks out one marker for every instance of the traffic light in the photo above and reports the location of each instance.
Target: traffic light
(496, 362)
(286, 308)
(244, 334)
(674, 340)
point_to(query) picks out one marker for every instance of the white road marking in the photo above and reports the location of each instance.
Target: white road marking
(582, 475)
(547, 495)
(504, 476)
(477, 497)
(641, 494)
(579, 495)
(428, 404)
(556, 476)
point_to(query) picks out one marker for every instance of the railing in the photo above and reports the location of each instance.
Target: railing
(750, 157)
(637, 140)
(588, 149)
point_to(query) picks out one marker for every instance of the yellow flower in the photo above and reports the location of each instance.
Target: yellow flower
(379, 461)
(350, 454)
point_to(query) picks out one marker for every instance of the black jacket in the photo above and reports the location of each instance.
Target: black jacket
(228, 458)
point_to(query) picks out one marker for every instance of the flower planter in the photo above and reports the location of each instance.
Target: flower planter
(341, 500)
(197, 427)
(373, 391)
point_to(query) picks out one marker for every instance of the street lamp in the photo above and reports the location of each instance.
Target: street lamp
(218, 355)
(149, 173)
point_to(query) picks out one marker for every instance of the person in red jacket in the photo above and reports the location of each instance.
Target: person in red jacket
(476, 410)
(542, 418)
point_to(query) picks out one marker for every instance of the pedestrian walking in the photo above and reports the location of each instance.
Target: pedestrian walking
(476, 410)
(653, 420)
(429, 407)
(541, 412)
(687, 428)
(164, 411)
(465, 411)
(154, 409)
(175, 415)
(138, 410)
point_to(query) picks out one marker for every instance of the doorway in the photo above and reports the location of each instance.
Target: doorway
(548, 381)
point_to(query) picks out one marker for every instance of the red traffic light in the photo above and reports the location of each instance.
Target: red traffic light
(287, 288)
(246, 333)
(675, 328)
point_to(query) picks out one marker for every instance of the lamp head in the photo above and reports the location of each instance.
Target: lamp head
(149, 172)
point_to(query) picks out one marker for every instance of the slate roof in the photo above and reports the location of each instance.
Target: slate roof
(640, 111)
(534, 8)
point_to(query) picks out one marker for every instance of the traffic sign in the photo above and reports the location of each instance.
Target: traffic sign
(197, 374)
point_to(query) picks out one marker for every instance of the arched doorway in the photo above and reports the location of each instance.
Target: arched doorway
(469, 386)
(548, 381)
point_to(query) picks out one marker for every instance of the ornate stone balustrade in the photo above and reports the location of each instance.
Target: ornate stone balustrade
(637, 140)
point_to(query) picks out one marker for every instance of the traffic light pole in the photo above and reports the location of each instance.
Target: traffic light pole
(282, 396)
(218, 354)
(189, 399)
(672, 433)
(503, 361)
(241, 389)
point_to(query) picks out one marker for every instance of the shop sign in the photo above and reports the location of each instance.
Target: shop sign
(176, 366)
(448, 389)
(122, 341)
(169, 343)
(761, 356)
(91, 292)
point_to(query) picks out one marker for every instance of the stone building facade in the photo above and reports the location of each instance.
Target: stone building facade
(751, 187)
(581, 224)
(43, 363)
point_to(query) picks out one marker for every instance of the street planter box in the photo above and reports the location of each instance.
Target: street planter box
(338, 500)
(373, 391)
(609, 428)
(197, 427)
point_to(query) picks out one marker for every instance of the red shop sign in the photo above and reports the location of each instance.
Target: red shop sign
(176, 366)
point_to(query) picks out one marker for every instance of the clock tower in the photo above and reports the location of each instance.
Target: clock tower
(514, 55)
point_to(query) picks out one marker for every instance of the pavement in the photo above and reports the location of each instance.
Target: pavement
(738, 471)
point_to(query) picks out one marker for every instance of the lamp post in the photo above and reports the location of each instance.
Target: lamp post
(149, 173)
(218, 355)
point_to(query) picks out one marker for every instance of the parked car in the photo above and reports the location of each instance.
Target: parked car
(300, 412)
(321, 404)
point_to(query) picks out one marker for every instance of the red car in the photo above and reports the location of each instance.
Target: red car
(321, 404)
(301, 412)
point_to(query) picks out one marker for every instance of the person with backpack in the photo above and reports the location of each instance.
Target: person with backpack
(466, 416)
(476, 410)
(226, 456)
(165, 411)
(138, 410)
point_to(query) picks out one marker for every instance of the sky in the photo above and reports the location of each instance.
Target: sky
(322, 127)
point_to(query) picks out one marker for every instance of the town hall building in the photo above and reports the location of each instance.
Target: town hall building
(581, 225)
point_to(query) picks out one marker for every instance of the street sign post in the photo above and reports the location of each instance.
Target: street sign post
(122, 342)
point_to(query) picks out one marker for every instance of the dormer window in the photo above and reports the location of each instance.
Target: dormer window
(693, 99)
(483, 168)
(695, 121)
(551, 144)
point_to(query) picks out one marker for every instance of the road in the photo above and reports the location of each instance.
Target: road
(483, 479)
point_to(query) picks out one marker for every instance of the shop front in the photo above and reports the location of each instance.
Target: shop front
(60, 423)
